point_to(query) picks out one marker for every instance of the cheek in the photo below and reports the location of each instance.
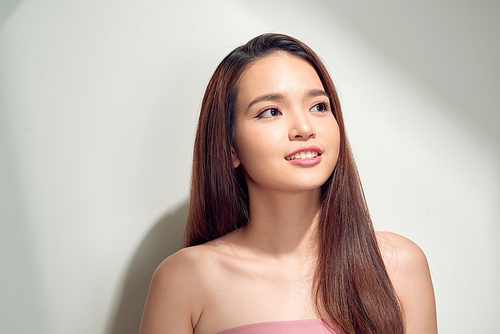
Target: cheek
(249, 148)
(333, 139)
(254, 144)
(336, 135)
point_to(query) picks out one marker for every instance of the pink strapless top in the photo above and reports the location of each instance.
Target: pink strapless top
(309, 326)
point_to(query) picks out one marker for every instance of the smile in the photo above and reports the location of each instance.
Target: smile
(306, 156)
(303, 155)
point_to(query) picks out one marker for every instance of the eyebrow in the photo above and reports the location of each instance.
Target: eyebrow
(317, 92)
(267, 97)
(276, 97)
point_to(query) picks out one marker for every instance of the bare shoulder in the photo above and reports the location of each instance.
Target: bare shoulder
(409, 272)
(189, 261)
(400, 253)
(175, 298)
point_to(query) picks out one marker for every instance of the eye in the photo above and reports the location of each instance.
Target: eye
(269, 113)
(321, 107)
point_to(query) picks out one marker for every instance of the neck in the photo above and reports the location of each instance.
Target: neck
(283, 223)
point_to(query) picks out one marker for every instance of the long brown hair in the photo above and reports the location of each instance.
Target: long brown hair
(351, 283)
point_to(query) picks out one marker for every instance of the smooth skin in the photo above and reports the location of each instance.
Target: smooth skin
(264, 270)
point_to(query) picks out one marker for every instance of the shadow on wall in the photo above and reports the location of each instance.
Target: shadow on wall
(6, 8)
(164, 239)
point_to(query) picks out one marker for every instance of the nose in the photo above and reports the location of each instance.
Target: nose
(301, 127)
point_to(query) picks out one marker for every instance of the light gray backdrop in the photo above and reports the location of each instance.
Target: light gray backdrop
(98, 108)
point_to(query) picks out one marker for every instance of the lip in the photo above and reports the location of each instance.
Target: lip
(305, 149)
(306, 161)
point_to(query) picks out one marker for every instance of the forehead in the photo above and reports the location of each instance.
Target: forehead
(277, 73)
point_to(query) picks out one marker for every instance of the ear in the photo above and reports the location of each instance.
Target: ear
(234, 157)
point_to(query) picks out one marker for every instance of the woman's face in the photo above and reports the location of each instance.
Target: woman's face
(286, 137)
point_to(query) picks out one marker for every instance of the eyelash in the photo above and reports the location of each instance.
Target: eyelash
(261, 114)
(324, 106)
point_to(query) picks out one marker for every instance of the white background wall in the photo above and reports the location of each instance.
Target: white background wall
(98, 108)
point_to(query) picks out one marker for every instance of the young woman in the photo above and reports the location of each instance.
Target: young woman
(279, 235)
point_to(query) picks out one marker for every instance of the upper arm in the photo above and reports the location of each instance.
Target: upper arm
(409, 272)
(171, 305)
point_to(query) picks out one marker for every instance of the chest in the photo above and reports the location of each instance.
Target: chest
(244, 297)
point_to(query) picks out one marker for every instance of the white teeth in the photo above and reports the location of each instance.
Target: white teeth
(303, 155)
